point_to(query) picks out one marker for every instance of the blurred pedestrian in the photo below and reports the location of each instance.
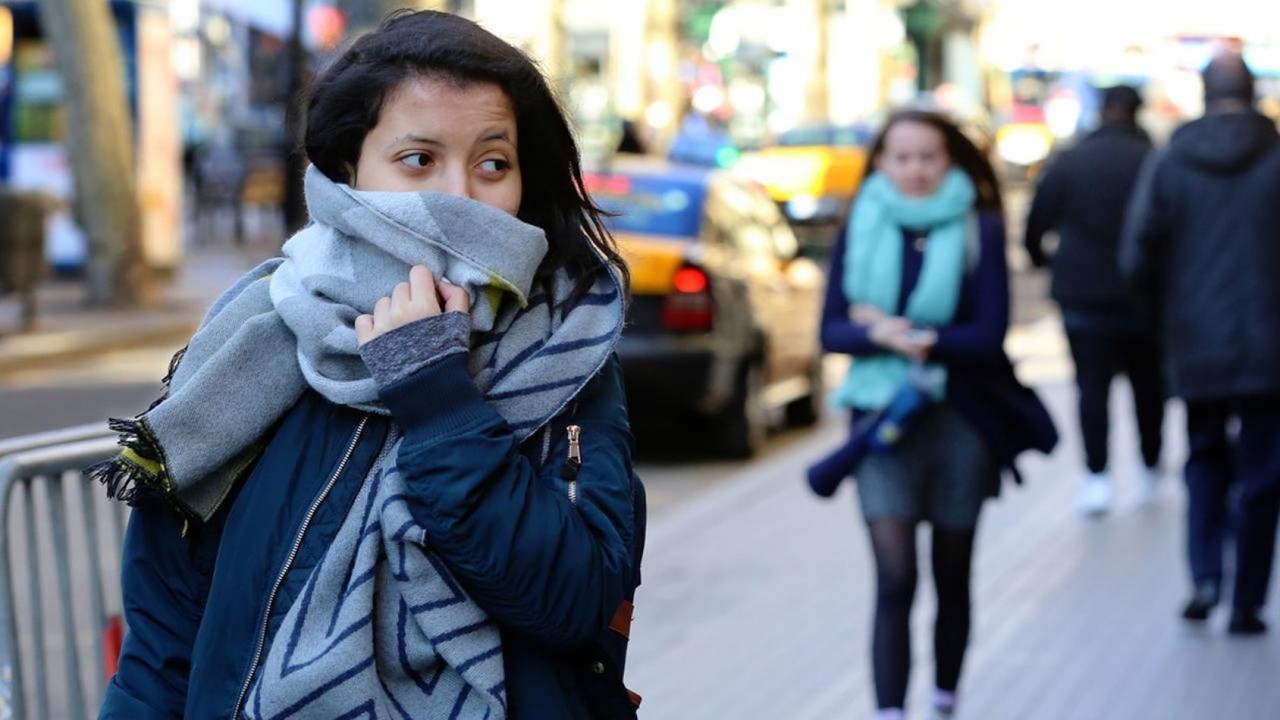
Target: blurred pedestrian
(393, 469)
(1202, 248)
(919, 279)
(1082, 195)
(629, 141)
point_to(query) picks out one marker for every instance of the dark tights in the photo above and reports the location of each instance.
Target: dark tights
(894, 543)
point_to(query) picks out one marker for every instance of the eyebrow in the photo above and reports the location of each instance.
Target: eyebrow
(413, 139)
(491, 135)
(496, 134)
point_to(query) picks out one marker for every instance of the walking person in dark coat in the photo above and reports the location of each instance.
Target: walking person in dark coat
(1202, 247)
(1082, 196)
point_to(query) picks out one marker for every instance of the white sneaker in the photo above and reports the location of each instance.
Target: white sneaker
(1095, 496)
(1148, 484)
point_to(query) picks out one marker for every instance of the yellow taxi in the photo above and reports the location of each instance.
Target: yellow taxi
(812, 172)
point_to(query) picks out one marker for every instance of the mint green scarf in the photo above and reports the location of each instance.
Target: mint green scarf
(873, 270)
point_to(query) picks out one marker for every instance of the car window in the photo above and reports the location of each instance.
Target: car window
(783, 241)
(718, 220)
(758, 226)
(649, 204)
(725, 215)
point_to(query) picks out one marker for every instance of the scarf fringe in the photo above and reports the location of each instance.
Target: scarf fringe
(173, 366)
(167, 380)
(126, 480)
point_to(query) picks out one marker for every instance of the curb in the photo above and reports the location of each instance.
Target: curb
(24, 352)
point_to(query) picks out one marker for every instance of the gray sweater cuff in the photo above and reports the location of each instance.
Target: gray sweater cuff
(395, 355)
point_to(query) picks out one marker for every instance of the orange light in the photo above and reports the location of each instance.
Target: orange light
(689, 280)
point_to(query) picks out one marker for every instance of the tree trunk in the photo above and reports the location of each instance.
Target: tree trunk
(295, 161)
(99, 143)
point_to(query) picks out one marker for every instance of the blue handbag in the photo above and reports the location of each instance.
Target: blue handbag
(880, 430)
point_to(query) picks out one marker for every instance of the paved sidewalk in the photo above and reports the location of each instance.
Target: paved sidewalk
(67, 329)
(757, 600)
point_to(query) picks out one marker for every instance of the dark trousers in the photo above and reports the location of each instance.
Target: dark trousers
(1247, 460)
(1099, 356)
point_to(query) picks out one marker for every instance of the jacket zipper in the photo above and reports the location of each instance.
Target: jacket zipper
(288, 563)
(574, 461)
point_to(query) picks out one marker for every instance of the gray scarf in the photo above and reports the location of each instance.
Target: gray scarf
(289, 324)
(381, 629)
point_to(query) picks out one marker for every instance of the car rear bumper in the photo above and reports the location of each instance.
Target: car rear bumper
(667, 370)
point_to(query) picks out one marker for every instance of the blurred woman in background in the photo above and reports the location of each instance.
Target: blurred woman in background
(919, 278)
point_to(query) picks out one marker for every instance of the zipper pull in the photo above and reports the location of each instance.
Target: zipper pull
(575, 449)
(570, 469)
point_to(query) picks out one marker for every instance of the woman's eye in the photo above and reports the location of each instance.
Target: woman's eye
(494, 165)
(416, 160)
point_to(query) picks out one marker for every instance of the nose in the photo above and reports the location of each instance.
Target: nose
(457, 182)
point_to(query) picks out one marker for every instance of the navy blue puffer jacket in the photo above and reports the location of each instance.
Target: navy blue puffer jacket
(203, 608)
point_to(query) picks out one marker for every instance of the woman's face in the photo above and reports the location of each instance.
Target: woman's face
(437, 135)
(914, 158)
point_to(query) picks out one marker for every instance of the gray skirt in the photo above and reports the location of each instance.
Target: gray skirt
(940, 472)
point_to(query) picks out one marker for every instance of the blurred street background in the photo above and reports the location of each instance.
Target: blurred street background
(757, 596)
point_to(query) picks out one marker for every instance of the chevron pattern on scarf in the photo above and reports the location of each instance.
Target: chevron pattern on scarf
(537, 363)
(381, 629)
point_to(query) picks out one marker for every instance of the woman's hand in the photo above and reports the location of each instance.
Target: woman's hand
(866, 314)
(898, 335)
(421, 297)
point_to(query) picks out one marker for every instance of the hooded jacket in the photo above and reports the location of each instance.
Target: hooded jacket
(1201, 250)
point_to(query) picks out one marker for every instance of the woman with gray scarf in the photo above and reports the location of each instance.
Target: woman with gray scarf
(392, 475)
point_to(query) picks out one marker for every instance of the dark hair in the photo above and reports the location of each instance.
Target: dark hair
(1227, 77)
(346, 99)
(1122, 100)
(963, 153)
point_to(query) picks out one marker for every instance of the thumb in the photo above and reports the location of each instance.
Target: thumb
(455, 297)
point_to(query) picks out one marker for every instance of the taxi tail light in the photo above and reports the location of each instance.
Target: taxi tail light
(689, 307)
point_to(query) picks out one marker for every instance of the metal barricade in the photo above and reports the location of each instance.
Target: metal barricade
(9, 446)
(59, 580)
